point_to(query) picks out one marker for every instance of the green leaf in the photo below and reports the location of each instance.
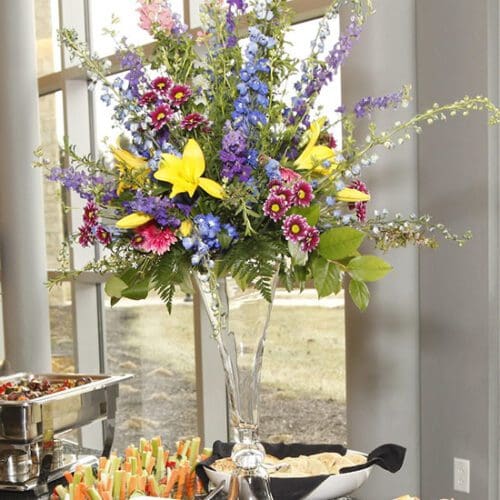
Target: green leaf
(114, 287)
(310, 213)
(327, 277)
(137, 291)
(368, 268)
(340, 242)
(359, 293)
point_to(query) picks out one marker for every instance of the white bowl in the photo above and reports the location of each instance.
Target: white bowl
(335, 485)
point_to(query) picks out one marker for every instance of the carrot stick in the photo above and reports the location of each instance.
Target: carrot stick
(190, 484)
(132, 484)
(171, 481)
(150, 464)
(68, 476)
(180, 484)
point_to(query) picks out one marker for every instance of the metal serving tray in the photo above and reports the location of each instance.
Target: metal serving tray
(27, 421)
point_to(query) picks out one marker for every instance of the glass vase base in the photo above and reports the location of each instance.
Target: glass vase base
(249, 485)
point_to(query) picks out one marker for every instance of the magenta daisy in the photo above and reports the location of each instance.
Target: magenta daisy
(90, 213)
(161, 115)
(85, 236)
(161, 84)
(179, 94)
(103, 235)
(155, 239)
(283, 192)
(310, 240)
(360, 206)
(275, 207)
(302, 194)
(295, 227)
(194, 120)
(148, 98)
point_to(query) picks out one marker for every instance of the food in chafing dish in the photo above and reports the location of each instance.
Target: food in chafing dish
(301, 466)
(33, 387)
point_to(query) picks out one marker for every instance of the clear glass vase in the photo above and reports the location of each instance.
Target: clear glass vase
(239, 320)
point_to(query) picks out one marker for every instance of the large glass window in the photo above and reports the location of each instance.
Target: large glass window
(47, 22)
(304, 368)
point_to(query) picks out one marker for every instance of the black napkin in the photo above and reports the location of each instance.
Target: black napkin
(388, 456)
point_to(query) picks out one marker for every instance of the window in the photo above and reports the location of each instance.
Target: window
(306, 338)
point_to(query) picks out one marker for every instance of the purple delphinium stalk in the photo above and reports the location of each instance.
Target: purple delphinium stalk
(311, 84)
(135, 75)
(234, 155)
(367, 104)
(159, 208)
(234, 7)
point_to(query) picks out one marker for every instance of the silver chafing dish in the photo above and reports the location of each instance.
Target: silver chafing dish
(32, 451)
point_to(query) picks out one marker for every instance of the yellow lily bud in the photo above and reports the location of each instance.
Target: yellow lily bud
(134, 220)
(350, 195)
(186, 227)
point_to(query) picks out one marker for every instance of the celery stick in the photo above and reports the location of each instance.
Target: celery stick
(207, 452)
(194, 451)
(117, 483)
(88, 475)
(61, 491)
(142, 444)
(160, 463)
(94, 495)
(77, 478)
(155, 444)
(72, 491)
(133, 464)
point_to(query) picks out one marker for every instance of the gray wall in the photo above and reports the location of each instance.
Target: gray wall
(458, 183)
(382, 343)
(422, 362)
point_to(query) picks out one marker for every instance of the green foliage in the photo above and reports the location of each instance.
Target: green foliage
(340, 242)
(327, 276)
(368, 268)
(359, 293)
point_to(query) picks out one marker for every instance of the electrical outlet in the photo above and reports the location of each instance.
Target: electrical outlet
(461, 475)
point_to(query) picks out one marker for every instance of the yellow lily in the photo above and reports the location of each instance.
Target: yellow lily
(185, 174)
(313, 156)
(350, 195)
(134, 220)
(134, 170)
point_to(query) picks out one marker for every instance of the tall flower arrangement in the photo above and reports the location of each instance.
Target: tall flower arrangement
(218, 167)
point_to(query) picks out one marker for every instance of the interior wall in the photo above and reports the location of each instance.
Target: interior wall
(457, 47)
(382, 342)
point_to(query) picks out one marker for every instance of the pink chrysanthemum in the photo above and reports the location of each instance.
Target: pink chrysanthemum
(179, 94)
(273, 183)
(161, 115)
(359, 206)
(295, 227)
(310, 240)
(154, 238)
(332, 143)
(302, 194)
(162, 85)
(103, 235)
(289, 175)
(90, 213)
(85, 236)
(275, 207)
(283, 192)
(194, 120)
(148, 98)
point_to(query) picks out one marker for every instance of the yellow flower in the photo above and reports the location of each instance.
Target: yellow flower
(185, 174)
(350, 195)
(186, 227)
(134, 170)
(134, 220)
(313, 157)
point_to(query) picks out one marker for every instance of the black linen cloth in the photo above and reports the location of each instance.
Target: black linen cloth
(388, 456)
